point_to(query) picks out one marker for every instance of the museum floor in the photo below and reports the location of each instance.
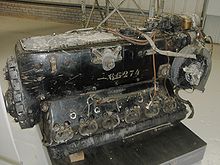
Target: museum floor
(205, 123)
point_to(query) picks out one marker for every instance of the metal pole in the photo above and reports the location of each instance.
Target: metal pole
(152, 8)
(106, 11)
(119, 13)
(204, 13)
(99, 8)
(138, 6)
(83, 8)
(158, 6)
(161, 7)
(113, 11)
(90, 15)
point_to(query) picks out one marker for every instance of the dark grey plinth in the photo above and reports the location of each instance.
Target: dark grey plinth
(176, 145)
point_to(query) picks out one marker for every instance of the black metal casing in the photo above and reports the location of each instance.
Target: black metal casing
(90, 87)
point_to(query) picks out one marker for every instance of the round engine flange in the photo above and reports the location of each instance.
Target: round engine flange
(88, 127)
(110, 121)
(132, 114)
(153, 109)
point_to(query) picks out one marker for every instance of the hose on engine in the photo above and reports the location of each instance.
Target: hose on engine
(149, 41)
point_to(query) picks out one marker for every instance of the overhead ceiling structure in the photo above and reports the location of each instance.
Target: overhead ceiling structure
(171, 6)
(105, 9)
(158, 5)
(107, 13)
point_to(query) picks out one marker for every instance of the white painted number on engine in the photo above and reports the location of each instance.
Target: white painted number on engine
(124, 74)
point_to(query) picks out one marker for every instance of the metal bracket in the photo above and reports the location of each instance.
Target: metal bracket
(107, 56)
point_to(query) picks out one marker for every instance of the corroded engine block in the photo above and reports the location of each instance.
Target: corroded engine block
(90, 87)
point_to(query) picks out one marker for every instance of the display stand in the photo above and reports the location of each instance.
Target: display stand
(176, 145)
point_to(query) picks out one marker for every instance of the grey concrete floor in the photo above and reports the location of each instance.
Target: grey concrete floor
(205, 123)
(28, 141)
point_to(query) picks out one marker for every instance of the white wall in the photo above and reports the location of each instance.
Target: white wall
(212, 22)
(213, 8)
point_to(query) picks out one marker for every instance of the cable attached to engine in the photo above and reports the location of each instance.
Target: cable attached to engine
(187, 102)
(205, 38)
(129, 39)
(163, 52)
(149, 41)
(154, 70)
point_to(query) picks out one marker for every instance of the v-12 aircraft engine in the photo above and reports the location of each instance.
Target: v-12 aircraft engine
(89, 87)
